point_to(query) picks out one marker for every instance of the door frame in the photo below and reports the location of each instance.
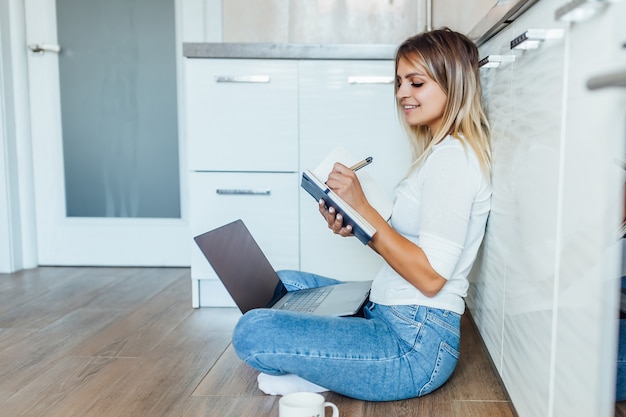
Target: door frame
(83, 240)
(17, 211)
(202, 23)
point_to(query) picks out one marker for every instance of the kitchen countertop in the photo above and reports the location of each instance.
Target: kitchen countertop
(499, 16)
(288, 51)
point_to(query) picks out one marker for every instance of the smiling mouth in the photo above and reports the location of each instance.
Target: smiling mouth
(409, 107)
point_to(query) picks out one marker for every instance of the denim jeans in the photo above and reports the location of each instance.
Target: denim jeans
(392, 353)
(621, 362)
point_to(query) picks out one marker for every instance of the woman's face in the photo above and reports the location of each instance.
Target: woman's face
(420, 97)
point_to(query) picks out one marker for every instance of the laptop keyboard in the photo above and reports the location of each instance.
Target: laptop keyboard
(306, 302)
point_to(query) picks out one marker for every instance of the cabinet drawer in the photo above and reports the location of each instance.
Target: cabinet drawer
(266, 202)
(242, 115)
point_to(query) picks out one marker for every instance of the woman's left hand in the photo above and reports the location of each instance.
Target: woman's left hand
(344, 182)
(334, 220)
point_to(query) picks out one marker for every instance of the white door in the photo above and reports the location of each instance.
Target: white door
(105, 133)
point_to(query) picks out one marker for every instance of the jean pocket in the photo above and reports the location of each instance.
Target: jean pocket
(405, 320)
(447, 358)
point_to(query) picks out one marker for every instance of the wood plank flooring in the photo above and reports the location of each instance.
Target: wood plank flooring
(96, 342)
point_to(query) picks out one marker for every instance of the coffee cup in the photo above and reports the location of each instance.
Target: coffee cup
(304, 404)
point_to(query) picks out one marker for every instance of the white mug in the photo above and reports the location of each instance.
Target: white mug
(304, 404)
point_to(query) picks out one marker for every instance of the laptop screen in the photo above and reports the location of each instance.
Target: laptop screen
(241, 265)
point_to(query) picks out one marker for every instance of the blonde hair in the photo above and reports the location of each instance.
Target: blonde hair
(451, 60)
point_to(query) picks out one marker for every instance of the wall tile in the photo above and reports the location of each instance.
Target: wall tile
(352, 21)
(342, 21)
(486, 295)
(459, 15)
(256, 21)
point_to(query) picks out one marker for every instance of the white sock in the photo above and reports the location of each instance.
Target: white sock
(286, 384)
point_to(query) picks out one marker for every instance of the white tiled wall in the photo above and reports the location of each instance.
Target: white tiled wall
(329, 21)
(323, 21)
(545, 287)
(460, 15)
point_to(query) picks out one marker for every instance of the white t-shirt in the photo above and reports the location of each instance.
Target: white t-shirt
(442, 207)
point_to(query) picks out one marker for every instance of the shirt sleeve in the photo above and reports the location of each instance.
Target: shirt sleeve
(447, 194)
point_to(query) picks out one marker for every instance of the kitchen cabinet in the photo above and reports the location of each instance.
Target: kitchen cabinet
(253, 125)
(549, 264)
(350, 104)
(242, 135)
(524, 102)
(242, 115)
(267, 202)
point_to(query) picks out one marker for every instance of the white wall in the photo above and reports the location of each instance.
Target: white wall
(327, 21)
(6, 260)
(460, 15)
(545, 287)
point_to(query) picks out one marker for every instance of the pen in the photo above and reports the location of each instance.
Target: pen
(361, 164)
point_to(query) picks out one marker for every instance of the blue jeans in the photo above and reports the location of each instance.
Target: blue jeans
(621, 362)
(392, 353)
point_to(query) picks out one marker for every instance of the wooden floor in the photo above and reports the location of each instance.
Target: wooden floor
(126, 342)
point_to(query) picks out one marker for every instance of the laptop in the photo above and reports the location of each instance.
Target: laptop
(253, 283)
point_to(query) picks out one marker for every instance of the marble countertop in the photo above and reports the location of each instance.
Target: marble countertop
(288, 51)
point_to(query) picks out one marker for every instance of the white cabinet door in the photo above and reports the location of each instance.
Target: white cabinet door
(242, 115)
(268, 205)
(352, 104)
(266, 202)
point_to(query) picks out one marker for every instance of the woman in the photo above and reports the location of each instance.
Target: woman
(406, 344)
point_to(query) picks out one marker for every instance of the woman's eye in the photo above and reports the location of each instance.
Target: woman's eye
(417, 85)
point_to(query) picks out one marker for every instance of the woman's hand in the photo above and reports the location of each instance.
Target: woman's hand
(334, 220)
(404, 256)
(344, 182)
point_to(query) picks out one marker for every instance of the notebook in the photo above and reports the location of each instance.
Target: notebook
(252, 282)
(314, 182)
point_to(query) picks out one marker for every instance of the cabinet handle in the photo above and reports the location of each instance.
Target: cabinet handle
(242, 78)
(370, 79)
(615, 79)
(238, 191)
(532, 38)
(494, 61)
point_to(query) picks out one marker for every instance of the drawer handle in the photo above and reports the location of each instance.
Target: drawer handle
(370, 79)
(238, 191)
(494, 61)
(532, 38)
(616, 79)
(242, 78)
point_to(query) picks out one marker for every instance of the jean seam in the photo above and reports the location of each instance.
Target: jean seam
(295, 284)
(441, 323)
(411, 322)
(315, 356)
(443, 346)
(404, 318)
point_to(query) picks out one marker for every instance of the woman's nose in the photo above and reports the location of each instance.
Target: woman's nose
(402, 90)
